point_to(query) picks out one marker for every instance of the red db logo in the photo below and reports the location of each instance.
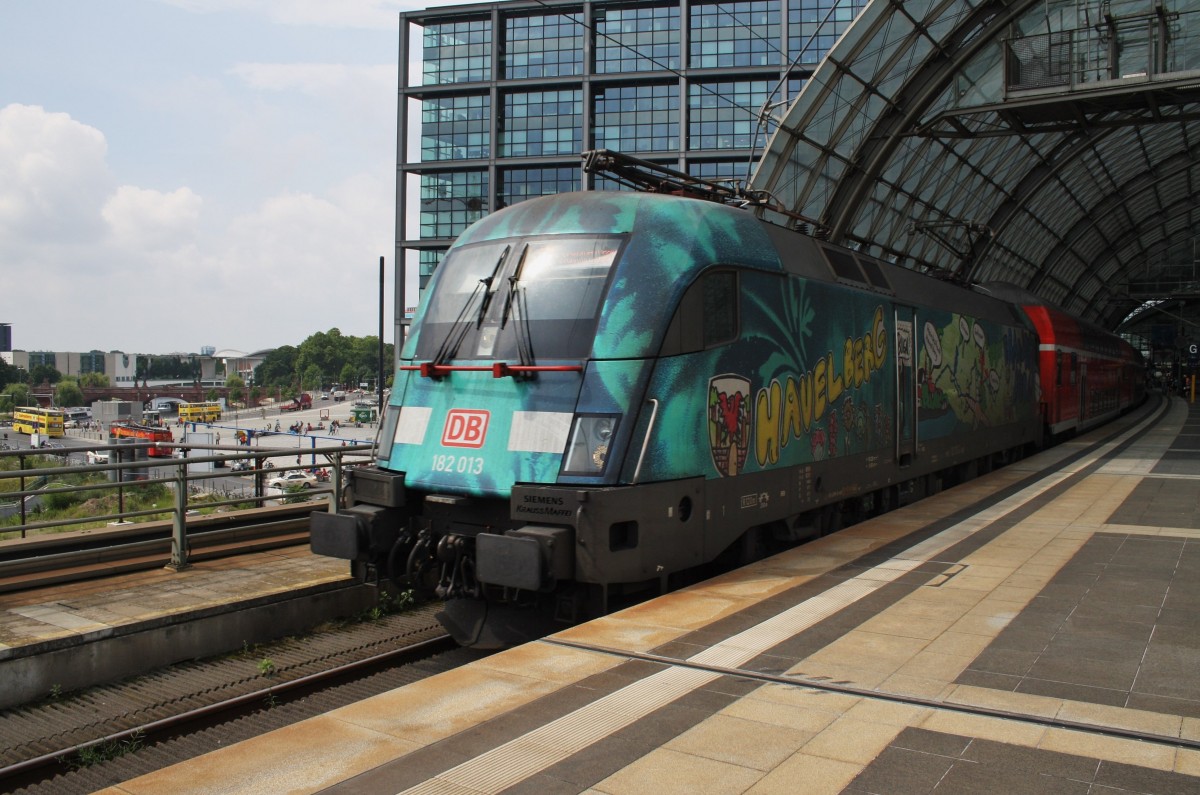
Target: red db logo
(465, 428)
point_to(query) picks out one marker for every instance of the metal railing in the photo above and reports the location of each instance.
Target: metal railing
(195, 478)
(1148, 45)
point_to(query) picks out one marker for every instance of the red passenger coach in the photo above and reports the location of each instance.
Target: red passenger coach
(1088, 375)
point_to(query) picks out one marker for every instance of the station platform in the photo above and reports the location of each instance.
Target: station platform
(1034, 630)
(80, 634)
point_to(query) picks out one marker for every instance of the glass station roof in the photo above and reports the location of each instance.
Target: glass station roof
(1053, 145)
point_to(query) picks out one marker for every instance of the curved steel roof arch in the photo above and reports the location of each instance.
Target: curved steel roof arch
(1016, 142)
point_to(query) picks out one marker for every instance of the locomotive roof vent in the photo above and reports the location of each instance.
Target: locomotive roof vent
(860, 271)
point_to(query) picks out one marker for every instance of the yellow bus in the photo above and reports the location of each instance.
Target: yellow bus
(31, 419)
(199, 412)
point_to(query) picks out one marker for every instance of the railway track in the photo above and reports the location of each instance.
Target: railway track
(108, 734)
(42, 561)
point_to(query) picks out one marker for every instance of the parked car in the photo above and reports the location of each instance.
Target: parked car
(291, 478)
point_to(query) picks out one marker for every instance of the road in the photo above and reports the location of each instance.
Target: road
(279, 449)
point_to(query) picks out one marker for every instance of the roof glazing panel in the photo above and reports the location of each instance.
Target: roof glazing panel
(1033, 121)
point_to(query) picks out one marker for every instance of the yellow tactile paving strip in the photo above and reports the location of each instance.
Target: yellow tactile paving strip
(778, 737)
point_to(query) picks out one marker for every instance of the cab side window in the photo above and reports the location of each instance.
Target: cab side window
(708, 315)
(719, 295)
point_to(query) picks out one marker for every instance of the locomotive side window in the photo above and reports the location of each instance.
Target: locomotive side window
(708, 315)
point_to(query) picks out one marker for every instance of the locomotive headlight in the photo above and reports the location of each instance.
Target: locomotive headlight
(588, 445)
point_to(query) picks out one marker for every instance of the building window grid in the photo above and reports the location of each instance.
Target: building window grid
(543, 46)
(456, 128)
(638, 118)
(725, 115)
(633, 119)
(457, 52)
(808, 27)
(92, 362)
(542, 124)
(735, 34)
(452, 201)
(638, 39)
(427, 262)
(728, 170)
(518, 184)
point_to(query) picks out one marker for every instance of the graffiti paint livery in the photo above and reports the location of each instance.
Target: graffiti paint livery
(605, 391)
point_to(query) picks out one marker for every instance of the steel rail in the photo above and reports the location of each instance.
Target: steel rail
(148, 548)
(175, 723)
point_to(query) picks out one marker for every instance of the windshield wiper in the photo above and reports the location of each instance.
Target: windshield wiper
(458, 329)
(487, 282)
(516, 298)
(512, 287)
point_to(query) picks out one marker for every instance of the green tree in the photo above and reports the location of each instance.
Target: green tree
(44, 372)
(236, 387)
(324, 352)
(17, 395)
(168, 368)
(313, 378)
(68, 393)
(94, 380)
(11, 374)
(323, 356)
(278, 368)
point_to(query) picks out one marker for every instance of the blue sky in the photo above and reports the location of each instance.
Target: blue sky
(182, 173)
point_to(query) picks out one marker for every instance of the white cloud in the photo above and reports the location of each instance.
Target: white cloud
(312, 243)
(294, 263)
(351, 94)
(321, 80)
(149, 220)
(53, 176)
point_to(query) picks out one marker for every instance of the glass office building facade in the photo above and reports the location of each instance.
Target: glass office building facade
(498, 101)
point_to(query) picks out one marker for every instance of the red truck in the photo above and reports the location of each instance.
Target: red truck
(298, 403)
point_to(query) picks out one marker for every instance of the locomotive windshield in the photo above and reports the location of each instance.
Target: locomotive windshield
(518, 299)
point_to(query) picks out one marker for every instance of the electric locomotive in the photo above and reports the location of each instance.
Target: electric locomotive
(605, 391)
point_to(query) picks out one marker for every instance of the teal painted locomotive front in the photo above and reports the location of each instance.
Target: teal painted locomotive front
(604, 390)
